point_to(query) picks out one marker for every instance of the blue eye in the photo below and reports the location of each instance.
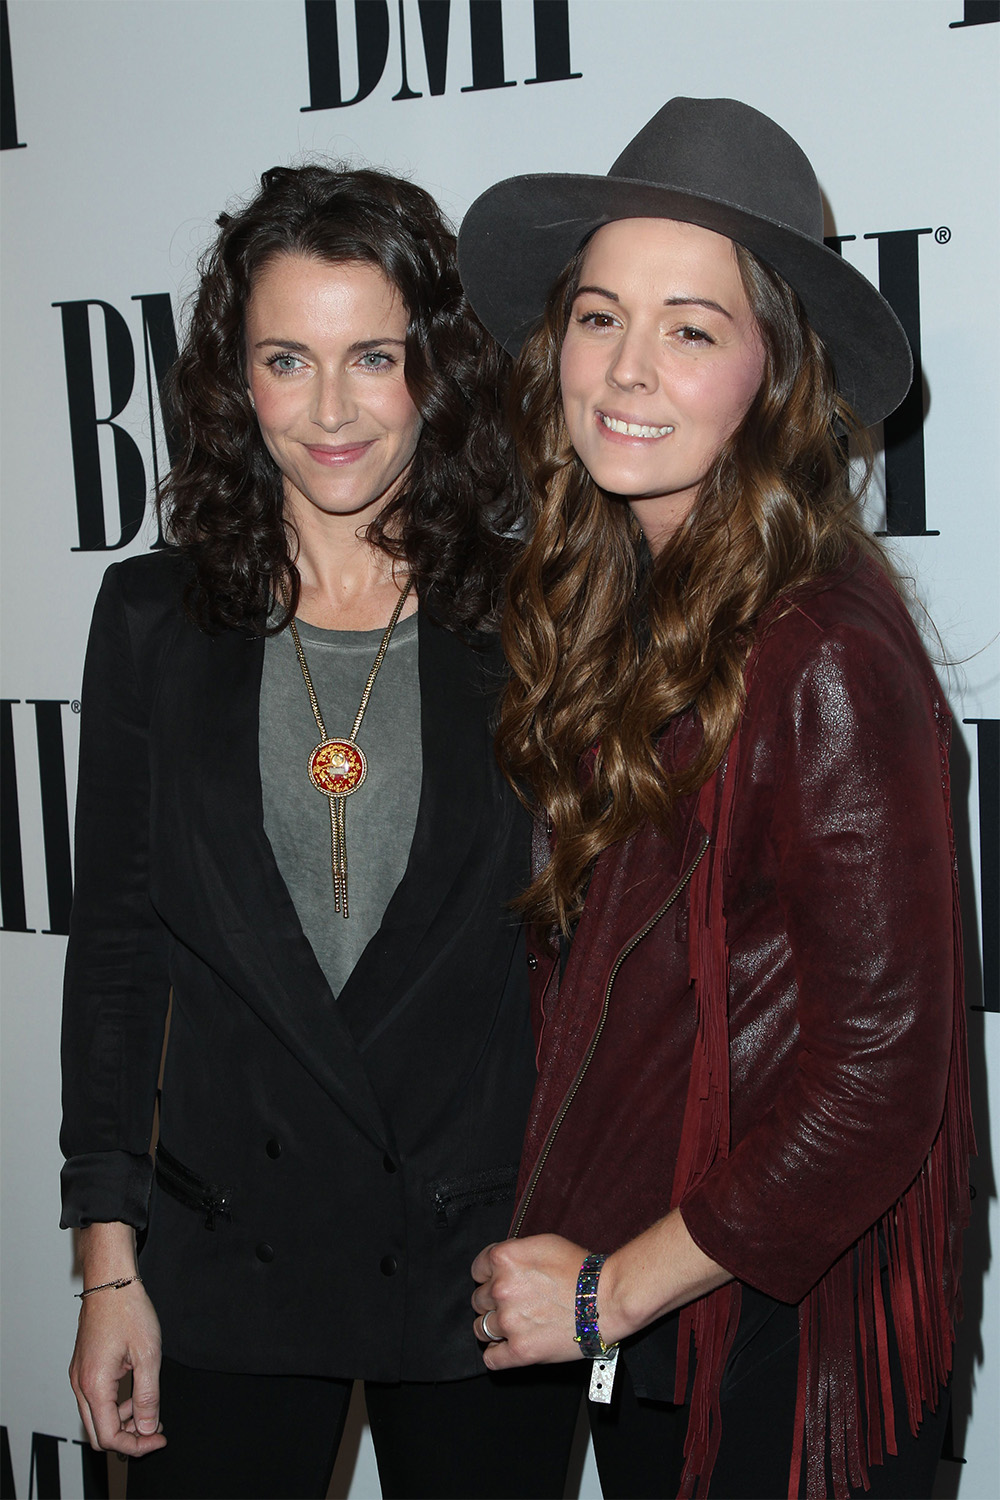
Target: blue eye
(283, 364)
(376, 359)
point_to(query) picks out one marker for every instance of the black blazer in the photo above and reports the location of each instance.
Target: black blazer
(329, 1169)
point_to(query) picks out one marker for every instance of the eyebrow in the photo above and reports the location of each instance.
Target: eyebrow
(602, 291)
(697, 302)
(359, 347)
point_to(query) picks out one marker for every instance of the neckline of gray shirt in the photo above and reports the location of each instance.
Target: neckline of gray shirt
(380, 816)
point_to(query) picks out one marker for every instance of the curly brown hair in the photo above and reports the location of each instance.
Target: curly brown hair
(608, 644)
(222, 502)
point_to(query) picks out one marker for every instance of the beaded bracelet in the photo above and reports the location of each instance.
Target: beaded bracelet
(588, 1335)
(107, 1285)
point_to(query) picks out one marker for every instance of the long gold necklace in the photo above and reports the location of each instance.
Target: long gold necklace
(337, 767)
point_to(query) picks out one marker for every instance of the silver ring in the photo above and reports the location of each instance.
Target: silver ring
(491, 1338)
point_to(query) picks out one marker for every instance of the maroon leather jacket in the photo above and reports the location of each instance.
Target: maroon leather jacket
(760, 1017)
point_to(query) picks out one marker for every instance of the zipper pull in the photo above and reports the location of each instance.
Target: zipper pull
(217, 1205)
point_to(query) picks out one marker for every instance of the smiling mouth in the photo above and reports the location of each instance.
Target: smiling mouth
(344, 453)
(633, 429)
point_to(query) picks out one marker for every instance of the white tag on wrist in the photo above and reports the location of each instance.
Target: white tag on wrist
(602, 1376)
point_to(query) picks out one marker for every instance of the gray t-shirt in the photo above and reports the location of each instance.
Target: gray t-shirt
(380, 815)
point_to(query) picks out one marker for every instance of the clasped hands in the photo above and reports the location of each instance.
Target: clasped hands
(528, 1289)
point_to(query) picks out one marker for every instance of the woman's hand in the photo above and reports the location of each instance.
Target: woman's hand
(118, 1333)
(528, 1288)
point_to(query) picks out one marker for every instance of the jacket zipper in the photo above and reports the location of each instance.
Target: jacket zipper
(191, 1191)
(575, 1085)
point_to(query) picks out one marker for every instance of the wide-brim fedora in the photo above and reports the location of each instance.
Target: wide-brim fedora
(714, 162)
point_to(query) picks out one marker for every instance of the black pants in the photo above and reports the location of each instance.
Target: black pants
(230, 1437)
(639, 1444)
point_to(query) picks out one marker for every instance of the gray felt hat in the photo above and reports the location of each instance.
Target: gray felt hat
(713, 162)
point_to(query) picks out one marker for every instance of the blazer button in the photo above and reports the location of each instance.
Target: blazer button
(265, 1252)
(388, 1165)
(532, 961)
(273, 1149)
(388, 1265)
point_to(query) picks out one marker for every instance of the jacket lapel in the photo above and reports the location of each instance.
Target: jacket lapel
(231, 904)
(457, 770)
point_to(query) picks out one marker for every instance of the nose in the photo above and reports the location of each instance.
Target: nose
(333, 401)
(633, 363)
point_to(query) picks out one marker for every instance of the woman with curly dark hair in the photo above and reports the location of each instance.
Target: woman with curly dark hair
(290, 820)
(746, 1169)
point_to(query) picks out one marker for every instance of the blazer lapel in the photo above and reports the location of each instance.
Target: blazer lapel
(263, 953)
(456, 744)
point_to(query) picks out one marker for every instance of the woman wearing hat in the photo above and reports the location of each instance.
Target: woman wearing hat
(745, 1173)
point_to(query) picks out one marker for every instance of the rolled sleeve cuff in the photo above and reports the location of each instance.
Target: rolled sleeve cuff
(106, 1187)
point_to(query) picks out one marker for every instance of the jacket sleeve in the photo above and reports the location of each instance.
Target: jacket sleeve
(116, 984)
(860, 839)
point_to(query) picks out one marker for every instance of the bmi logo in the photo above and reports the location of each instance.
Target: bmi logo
(373, 29)
(44, 1476)
(117, 374)
(23, 808)
(903, 431)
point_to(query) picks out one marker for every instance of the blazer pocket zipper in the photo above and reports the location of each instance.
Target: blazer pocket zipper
(479, 1190)
(192, 1191)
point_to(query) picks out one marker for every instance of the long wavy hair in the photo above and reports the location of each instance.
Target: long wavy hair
(451, 521)
(607, 644)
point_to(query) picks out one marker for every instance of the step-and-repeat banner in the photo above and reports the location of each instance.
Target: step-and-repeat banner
(128, 124)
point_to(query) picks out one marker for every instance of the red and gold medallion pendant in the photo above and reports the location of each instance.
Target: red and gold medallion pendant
(337, 767)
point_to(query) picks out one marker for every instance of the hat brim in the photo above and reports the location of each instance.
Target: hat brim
(518, 236)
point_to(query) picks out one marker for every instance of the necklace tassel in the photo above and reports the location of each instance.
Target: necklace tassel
(338, 854)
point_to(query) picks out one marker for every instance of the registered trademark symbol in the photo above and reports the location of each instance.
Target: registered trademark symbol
(942, 235)
(75, 705)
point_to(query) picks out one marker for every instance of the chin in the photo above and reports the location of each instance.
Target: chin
(626, 485)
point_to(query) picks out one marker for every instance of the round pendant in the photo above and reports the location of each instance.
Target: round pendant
(337, 767)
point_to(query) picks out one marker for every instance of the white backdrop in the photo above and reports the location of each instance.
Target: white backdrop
(128, 124)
